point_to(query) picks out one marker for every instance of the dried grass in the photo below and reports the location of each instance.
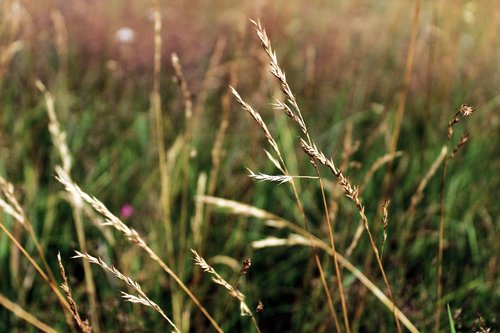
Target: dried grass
(142, 298)
(25, 315)
(59, 141)
(353, 194)
(464, 111)
(132, 236)
(232, 291)
(82, 324)
(300, 236)
(12, 207)
(291, 109)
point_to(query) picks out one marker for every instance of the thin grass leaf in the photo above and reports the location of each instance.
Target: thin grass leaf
(450, 318)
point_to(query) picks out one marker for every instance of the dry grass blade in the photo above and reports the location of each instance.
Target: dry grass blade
(9, 52)
(464, 138)
(406, 78)
(61, 41)
(295, 239)
(275, 69)
(274, 161)
(57, 134)
(9, 210)
(181, 80)
(385, 223)
(83, 324)
(197, 220)
(353, 194)
(12, 23)
(282, 106)
(37, 267)
(217, 152)
(211, 77)
(261, 177)
(464, 111)
(403, 95)
(25, 315)
(259, 121)
(110, 219)
(142, 298)
(183, 231)
(59, 141)
(157, 115)
(418, 195)
(387, 158)
(277, 222)
(331, 235)
(416, 198)
(198, 260)
(280, 75)
(232, 291)
(281, 179)
(12, 207)
(132, 236)
(238, 208)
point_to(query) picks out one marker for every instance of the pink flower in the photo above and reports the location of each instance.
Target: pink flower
(126, 211)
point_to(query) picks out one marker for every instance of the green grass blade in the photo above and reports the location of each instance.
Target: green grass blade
(452, 324)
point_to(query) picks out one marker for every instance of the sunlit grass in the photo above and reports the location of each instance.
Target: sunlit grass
(154, 138)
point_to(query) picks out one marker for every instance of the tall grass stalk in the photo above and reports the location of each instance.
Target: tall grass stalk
(132, 236)
(280, 163)
(403, 94)
(142, 298)
(217, 152)
(59, 141)
(44, 276)
(273, 221)
(182, 230)
(416, 198)
(353, 194)
(25, 315)
(464, 111)
(295, 114)
(280, 75)
(406, 79)
(186, 151)
(291, 108)
(381, 161)
(14, 209)
(156, 108)
(82, 324)
(232, 291)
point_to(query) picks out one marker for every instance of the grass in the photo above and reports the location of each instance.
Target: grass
(341, 198)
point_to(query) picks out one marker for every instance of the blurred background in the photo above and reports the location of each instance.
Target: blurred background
(351, 64)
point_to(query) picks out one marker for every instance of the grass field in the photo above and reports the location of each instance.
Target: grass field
(249, 166)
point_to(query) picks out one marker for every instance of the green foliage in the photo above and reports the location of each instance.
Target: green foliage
(102, 100)
(450, 318)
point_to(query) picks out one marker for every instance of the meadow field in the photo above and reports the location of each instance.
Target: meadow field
(249, 166)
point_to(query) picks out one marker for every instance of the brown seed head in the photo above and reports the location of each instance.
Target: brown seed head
(260, 307)
(246, 266)
(466, 110)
